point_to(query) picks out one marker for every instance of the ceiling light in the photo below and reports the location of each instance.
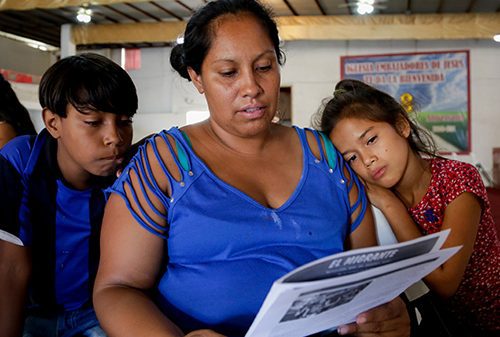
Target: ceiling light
(84, 15)
(496, 38)
(364, 8)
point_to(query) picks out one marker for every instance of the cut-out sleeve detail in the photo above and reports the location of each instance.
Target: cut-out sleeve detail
(145, 181)
(356, 192)
(334, 158)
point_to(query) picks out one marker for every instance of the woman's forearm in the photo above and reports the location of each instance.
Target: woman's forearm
(124, 311)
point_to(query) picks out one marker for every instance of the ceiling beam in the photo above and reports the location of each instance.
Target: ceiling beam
(47, 4)
(342, 27)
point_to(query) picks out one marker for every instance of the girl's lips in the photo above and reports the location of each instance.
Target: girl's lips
(378, 173)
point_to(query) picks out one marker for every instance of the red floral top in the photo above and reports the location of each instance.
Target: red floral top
(477, 300)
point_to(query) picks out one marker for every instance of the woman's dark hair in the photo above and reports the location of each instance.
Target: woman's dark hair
(12, 111)
(88, 82)
(355, 99)
(199, 32)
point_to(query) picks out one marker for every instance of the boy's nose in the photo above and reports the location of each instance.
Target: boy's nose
(113, 136)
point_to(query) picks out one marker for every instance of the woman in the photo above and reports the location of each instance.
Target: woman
(14, 118)
(230, 204)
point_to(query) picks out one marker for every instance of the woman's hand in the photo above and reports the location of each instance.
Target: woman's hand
(204, 333)
(388, 320)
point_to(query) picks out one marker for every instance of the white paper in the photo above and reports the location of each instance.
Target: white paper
(6, 236)
(333, 290)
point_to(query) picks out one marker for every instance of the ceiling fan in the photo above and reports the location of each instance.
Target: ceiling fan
(363, 7)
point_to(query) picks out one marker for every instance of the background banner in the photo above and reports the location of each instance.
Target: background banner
(433, 86)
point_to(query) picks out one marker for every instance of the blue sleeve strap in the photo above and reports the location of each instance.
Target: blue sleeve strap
(331, 154)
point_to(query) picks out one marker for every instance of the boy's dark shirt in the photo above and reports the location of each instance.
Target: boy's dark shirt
(32, 186)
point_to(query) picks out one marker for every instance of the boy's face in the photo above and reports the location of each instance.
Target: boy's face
(90, 143)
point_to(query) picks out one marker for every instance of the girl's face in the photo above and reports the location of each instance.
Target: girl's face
(376, 151)
(240, 76)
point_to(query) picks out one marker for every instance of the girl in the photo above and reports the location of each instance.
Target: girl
(421, 193)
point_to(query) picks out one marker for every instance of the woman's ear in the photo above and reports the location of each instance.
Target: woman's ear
(196, 79)
(403, 127)
(52, 122)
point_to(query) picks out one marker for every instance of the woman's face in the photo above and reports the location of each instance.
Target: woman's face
(240, 76)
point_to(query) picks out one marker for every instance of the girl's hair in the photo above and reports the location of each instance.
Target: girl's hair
(12, 111)
(355, 99)
(200, 32)
(88, 82)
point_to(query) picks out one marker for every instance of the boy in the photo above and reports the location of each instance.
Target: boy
(52, 203)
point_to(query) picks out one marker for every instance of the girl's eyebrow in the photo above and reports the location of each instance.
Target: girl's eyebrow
(360, 137)
(364, 133)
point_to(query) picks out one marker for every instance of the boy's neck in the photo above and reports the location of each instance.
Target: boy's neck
(73, 175)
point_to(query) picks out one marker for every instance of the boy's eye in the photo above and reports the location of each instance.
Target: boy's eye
(126, 122)
(92, 123)
(228, 73)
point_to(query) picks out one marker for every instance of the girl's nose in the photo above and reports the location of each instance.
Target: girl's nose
(369, 161)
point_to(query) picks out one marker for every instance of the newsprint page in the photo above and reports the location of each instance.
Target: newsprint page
(333, 290)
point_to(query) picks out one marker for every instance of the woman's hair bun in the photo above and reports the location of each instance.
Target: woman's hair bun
(178, 60)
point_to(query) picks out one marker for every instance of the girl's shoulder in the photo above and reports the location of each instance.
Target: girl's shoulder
(452, 168)
(453, 177)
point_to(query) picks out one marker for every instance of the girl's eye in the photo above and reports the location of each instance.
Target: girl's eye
(351, 159)
(372, 139)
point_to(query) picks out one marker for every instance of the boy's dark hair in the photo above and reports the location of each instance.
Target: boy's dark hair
(12, 111)
(88, 82)
(355, 99)
(199, 32)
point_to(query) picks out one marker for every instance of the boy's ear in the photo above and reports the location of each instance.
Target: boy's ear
(196, 79)
(404, 128)
(52, 122)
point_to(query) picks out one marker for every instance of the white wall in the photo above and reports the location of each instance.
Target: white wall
(19, 57)
(311, 70)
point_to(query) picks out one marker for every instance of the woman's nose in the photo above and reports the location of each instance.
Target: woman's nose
(250, 85)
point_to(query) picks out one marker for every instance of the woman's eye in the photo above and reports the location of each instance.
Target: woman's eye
(264, 68)
(351, 159)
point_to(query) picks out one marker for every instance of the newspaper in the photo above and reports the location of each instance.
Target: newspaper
(6, 236)
(333, 290)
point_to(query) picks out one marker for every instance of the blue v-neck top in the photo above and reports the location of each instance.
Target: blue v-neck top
(225, 249)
